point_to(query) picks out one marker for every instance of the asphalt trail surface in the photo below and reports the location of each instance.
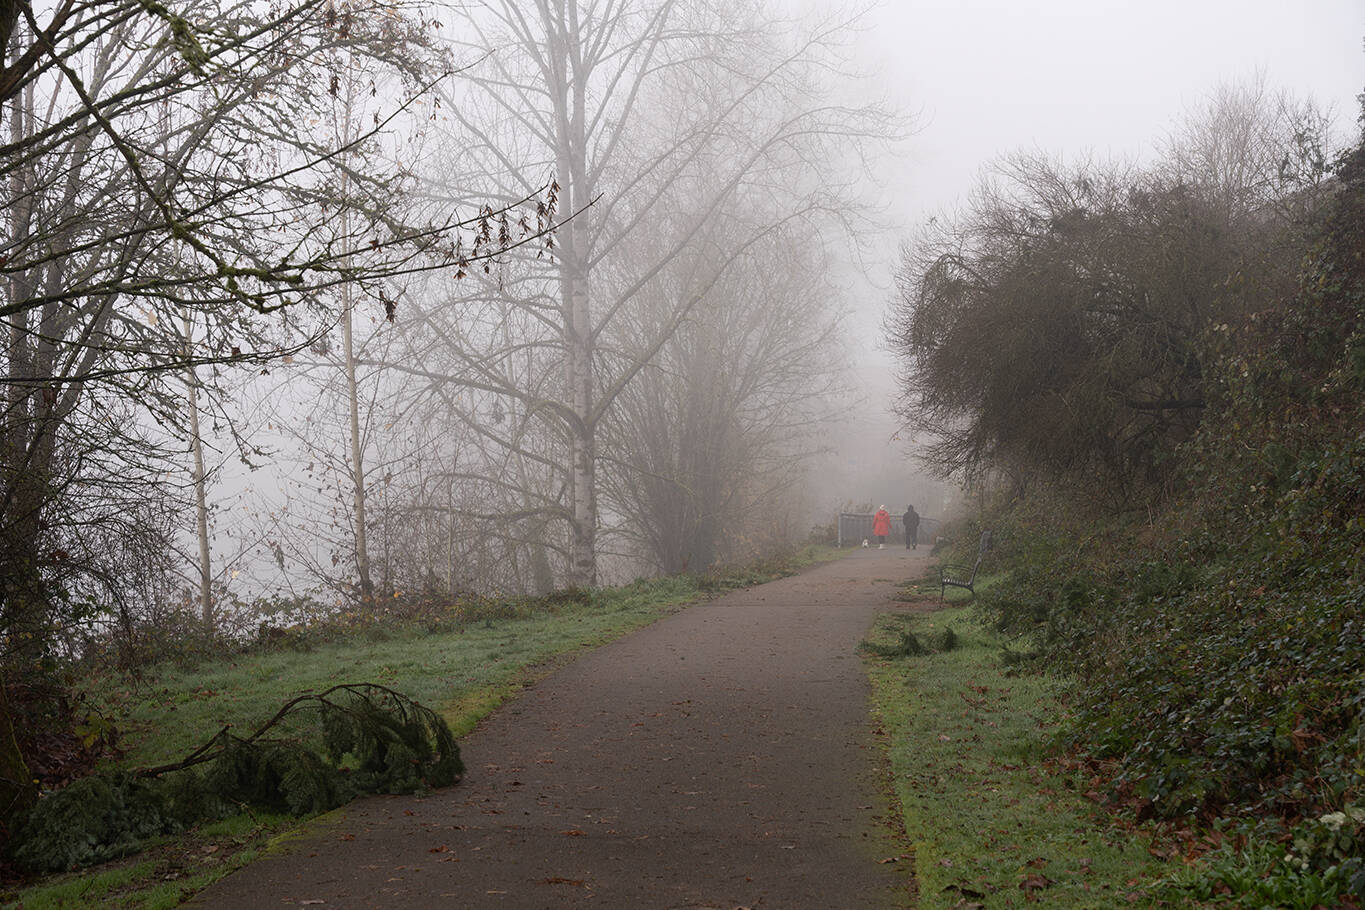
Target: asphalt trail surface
(723, 757)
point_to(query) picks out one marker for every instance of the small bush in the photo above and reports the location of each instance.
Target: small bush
(908, 644)
(1260, 875)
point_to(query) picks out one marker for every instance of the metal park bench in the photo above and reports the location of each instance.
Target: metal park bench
(962, 576)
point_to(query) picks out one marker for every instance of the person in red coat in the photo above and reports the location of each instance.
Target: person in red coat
(881, 526)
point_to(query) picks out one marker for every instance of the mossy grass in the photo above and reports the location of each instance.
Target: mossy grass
(927, 588)
(993, 823)
(464, 672)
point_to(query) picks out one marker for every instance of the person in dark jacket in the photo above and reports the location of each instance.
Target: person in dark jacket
(911, 520)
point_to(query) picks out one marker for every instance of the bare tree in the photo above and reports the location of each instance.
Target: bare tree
(708, 443)
(655, 118)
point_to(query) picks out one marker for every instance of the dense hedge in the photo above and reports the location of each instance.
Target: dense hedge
(1218, 641)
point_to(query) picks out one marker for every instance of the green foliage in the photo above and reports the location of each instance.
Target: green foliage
(891, 643)
(322, 751)
(909, 645)
(1334, 842)
(1223, 678)
(1217, 643)
(1260, 874)
(992, 823)
(91, 820)
(906, 645)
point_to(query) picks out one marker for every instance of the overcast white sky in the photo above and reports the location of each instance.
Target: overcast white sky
(988, 77)
(993, 76)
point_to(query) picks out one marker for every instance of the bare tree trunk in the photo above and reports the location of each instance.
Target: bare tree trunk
(583, 543)
(201, 509)
(17, 790)
(26, 445)
(362, 557)
(567, 92)
(450, 537)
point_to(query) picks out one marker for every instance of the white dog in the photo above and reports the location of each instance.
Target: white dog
(864, 543)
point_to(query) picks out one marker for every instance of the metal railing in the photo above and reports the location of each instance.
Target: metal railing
(855, 527)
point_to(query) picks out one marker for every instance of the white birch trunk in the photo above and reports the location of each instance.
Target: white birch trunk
(201, 509)
(362, 556)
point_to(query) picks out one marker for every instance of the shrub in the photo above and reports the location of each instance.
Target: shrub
(322, 751)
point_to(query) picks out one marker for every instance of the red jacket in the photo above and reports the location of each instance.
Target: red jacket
(881, 523)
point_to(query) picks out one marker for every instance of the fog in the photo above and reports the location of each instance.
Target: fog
(988, 77)
(532, 325)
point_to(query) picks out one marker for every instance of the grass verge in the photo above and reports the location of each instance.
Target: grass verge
(992, 823)
(465, 673)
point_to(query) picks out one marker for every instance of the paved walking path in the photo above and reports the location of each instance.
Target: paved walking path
(721, 758)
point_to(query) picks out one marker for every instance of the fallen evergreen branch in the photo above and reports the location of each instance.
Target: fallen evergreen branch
(318, 752)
